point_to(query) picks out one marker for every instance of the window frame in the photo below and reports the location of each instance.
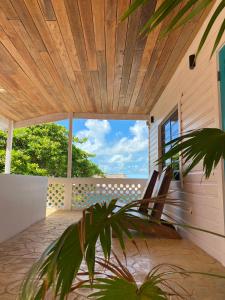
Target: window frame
(160, 139)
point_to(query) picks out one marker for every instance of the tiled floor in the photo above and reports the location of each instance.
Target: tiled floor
(18, 253)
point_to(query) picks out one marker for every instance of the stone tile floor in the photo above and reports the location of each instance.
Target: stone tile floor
(18, 254)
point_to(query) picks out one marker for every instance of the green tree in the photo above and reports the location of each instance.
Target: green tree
(42, 150)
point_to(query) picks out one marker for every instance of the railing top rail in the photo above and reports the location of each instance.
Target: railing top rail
(89, 180)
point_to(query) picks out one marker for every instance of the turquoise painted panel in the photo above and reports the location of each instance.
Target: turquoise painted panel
(222, 86)
(222, 83)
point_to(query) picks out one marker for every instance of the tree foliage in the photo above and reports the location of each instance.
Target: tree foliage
(42, 150)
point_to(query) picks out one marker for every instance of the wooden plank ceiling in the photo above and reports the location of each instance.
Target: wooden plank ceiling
(76, 56)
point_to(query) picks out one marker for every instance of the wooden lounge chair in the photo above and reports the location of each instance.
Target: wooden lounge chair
(150, 224)
(148, 192)
(144, 203)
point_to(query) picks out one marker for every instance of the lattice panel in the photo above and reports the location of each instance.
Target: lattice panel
(85, 195)
(56, 195)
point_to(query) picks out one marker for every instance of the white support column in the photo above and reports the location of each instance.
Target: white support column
(149, 162)
(9, 147)
(70, 143)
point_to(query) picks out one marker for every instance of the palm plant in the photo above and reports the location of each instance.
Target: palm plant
(61, 263)
(158, 284)
(207, 144)
(120, 283)
(190, 9)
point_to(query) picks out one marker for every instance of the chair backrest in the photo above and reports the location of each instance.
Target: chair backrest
(163, 188)
(148, 192)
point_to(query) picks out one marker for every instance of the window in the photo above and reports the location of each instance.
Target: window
(170, 131)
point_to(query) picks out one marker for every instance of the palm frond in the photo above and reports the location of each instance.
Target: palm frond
(179, 15)
(191, 9)
(194, 10)
(59, 267)
(60, 263)
(133, 7)
(124, 286)
(56, 268)
(212, 20)
(161, 13)
(159, 283)
(207, 144)
(218, 38)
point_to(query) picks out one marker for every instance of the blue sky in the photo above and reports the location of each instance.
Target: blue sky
(119, 146)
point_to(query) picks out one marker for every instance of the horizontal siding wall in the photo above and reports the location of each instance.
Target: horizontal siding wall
(196, 94)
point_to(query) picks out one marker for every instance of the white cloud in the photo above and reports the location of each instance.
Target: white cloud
(96, 133)
(138, 142)
(120, 159)
(116, 155)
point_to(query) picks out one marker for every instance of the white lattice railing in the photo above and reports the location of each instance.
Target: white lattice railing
(79, 193)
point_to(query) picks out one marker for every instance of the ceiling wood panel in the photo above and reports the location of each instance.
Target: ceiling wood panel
(140, 44)
(8, 9)
(61, 56)
(47, 10)
(157, 56)
(121, 36)
(110, 36)
(167, 70)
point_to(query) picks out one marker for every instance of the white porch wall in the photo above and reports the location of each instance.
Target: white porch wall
(196, 94)
(22, 203)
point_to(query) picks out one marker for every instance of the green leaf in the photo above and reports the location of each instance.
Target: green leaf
(196, 11)
(190, 10)
(161, 13)
(59, 265)
(115, 288)
(133, 7)
(179, 15)
(207, 144)
(219, 36)
(212, 20)
(122, 285)
(57, 268)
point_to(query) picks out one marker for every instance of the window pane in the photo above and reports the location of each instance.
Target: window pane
(174, 129)
(170, 131)
(167, 132)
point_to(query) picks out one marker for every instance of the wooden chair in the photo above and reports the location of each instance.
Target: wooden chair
(148, 192)
(144, 203)
(162, 193)
(150, 224)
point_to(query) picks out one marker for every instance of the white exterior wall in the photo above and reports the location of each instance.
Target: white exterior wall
(196, 94)
(22, 203)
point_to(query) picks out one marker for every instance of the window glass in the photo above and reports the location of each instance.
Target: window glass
(170, 131)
